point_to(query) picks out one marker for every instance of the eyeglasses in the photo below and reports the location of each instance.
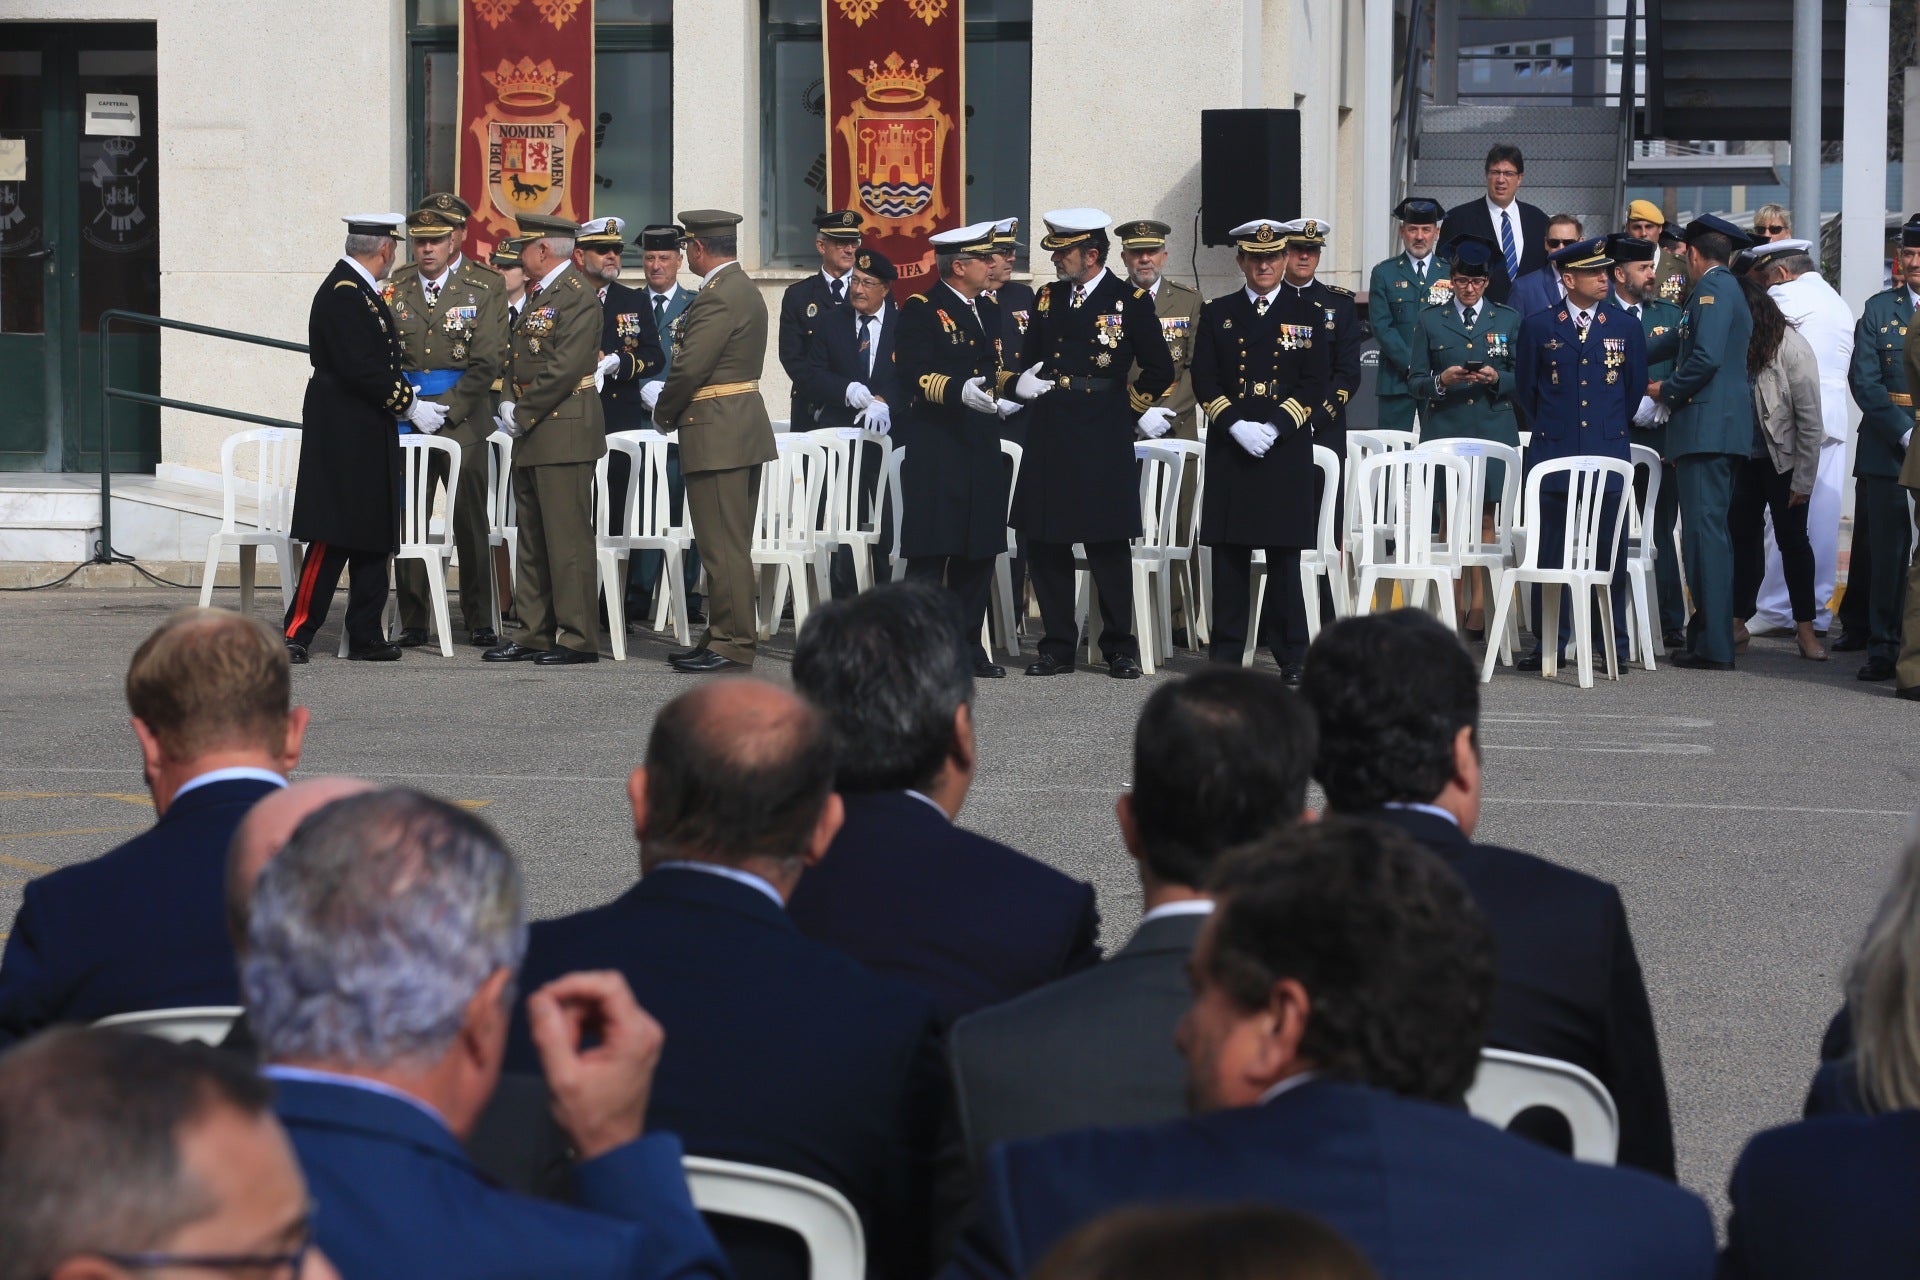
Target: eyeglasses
(289, 1264)
(1559, 244)
(1503, 173)
(1775, 230)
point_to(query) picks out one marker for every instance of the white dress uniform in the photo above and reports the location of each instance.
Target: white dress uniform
(1826, 322)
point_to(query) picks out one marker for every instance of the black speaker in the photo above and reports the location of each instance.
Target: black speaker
(1249, 168)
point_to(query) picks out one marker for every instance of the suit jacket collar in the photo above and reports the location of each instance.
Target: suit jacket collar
(968, 315)
(232, 791)
(678, 885)
(1435, 832)
(1167, 935)
(367, 1115)
(893, 806)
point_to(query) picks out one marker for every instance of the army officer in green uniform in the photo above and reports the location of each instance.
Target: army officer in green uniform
(1398, 291)
(1635, 291)
(549, 406)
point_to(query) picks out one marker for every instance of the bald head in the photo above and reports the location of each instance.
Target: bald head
(738, 772)
(265, 831)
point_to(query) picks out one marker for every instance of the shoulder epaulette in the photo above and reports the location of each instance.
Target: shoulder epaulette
(345, 284)
(486, 268)
(403, 270)
(920, 298)
(1139, 293)
(1345, 293)
(573, 282)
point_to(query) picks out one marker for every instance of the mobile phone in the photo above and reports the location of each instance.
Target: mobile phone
(1474, 366)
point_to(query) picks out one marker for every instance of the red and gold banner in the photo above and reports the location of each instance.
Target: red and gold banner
(896, 106)
(526, 111)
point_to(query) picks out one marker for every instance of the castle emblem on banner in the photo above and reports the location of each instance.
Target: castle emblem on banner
(894, 136)
(528, 140)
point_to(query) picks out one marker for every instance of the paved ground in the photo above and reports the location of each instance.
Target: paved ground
(1749, 819)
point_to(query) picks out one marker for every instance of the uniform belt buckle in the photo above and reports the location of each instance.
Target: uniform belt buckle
(1259, 388)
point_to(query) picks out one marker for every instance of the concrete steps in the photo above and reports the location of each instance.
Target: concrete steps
(48, 518)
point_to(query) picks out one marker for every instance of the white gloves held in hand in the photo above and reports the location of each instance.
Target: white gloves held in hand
(1156, 422)
(1255, 437)
(504, 421)
(1031, 385)
(975, 396)
(1643, 416)
(606, 366)
(874, 415)
(427, 416)
(1008, 408)
(650, 394)
(858, 397)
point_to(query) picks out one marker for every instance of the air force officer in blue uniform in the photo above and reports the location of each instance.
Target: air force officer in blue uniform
(1580, 375)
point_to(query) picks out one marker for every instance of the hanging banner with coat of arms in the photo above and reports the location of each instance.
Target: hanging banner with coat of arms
(526, 106)
(896, 100)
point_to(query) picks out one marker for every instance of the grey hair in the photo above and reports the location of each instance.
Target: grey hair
(366, 246)
(372, 930)
(1883, 990)
(721, 246)
(1794, 264)
(558, 246)
(943, 262)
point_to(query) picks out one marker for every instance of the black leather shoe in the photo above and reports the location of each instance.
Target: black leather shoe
(512, 651)
(484, 638)
(1849, 642)
(1290, 675)
(1694, 662)
(1123, 668)
(1527, 661)
(412, 638)
(296, 654)
(684, 654)
(1048, 667)
(1675, 641)
(375, 653)
(706, 662)
(1876, 669)
(1911, 693)
(561, 656)
(989, 671)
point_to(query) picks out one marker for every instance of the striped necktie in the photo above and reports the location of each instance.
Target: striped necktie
(1508, 250)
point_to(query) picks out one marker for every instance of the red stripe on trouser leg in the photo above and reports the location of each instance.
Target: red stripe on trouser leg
(303, 601)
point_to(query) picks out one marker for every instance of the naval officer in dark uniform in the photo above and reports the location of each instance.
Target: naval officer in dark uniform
(1079, 482)
(346, 504)
(1261, 366)
(837, 238)
(1340, 328)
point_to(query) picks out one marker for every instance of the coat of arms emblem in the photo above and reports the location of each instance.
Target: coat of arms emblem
(894, 135)
(528, 141)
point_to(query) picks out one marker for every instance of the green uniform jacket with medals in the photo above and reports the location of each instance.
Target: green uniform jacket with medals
(465, 329)
(550, 375)
(1395, 299)
(1660, 321)
(1670, 279)
(1179, 310)
(1470, 410)
(1880, 383)
(719, 341)
(1708, 390)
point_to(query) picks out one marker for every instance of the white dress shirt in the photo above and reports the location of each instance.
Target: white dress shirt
(707, 279)
(234, 774)
(1184, 907)
(364, 273)
(876, 322)
(734, 874)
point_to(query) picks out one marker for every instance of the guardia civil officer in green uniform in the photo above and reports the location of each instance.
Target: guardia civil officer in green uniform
(548, 405)
(1882, 385)
(1397, 292)
(711, 399)
(1710, 430)
(451, 315)
(1634, 292)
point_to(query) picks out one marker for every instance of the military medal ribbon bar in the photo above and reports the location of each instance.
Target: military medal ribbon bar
(896, 105)
(525, 114)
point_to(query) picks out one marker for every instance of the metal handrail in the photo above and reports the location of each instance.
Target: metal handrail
(1629, 95)
(109, 393)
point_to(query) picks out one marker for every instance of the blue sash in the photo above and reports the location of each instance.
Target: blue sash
(427, 383)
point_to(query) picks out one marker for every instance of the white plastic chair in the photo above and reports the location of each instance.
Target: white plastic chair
(896, 459)
(786, 545)
(1499, 556)
(1509, 1083)
(208, 1023)
(1584, 536)
(502, 520)
(1323, 559)
(1643, 638)
(1160, 468)
(276, 465)
(419, 539)
(1182, 554)
(1004, 611)
(644, 519)
(1362, 445)
(1399, 493)
(848, 460)
(814, 1211)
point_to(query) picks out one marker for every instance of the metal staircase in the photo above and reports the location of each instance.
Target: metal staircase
(1573, 157)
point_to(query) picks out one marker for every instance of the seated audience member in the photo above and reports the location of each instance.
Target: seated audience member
(124, 1154)
(1835, 1195)
(265, 831)
(382, 943)
(1341, 994)
(1398, 699)
(1219, 758)
(1240, 1242)
(903, 890)
(140, 927)
(782, 1051)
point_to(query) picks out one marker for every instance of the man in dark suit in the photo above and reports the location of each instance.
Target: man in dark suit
(782, 1051)
(1399, 706)
(141, 926)
(382, 943)
(837, 239)
(1831, 1196)
(902, 889)
(1341, 992)
(1517, 229)
(1219, 759)
(1541, 289)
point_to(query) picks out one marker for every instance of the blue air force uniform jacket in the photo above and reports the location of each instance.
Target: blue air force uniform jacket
(1579, 395)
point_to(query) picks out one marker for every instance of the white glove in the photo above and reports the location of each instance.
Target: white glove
(1008, 408)
(858, 397)
(1156, 422)
(650, 394)
(1661, 412)
(1032, 385)
(427, 416)
(606, 366)
(975, 396)
(504, 420)
(875, 416)
(1907, 440)
(1255, 437)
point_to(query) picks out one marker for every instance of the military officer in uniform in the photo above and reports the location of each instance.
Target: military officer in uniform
(837, 238)
(712, 400)
(451, 315)
(346, 504)
(1634, 293)
(1882, 534)
(1580, 376)
(661, 259)
(1461, 372)
(953, 486)
(1078, 481)
(1397, 292)
(1340, 328)
(549, 407)
(1261, 365)
(1907, 669)
(1013, 299)
(1710, 430)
